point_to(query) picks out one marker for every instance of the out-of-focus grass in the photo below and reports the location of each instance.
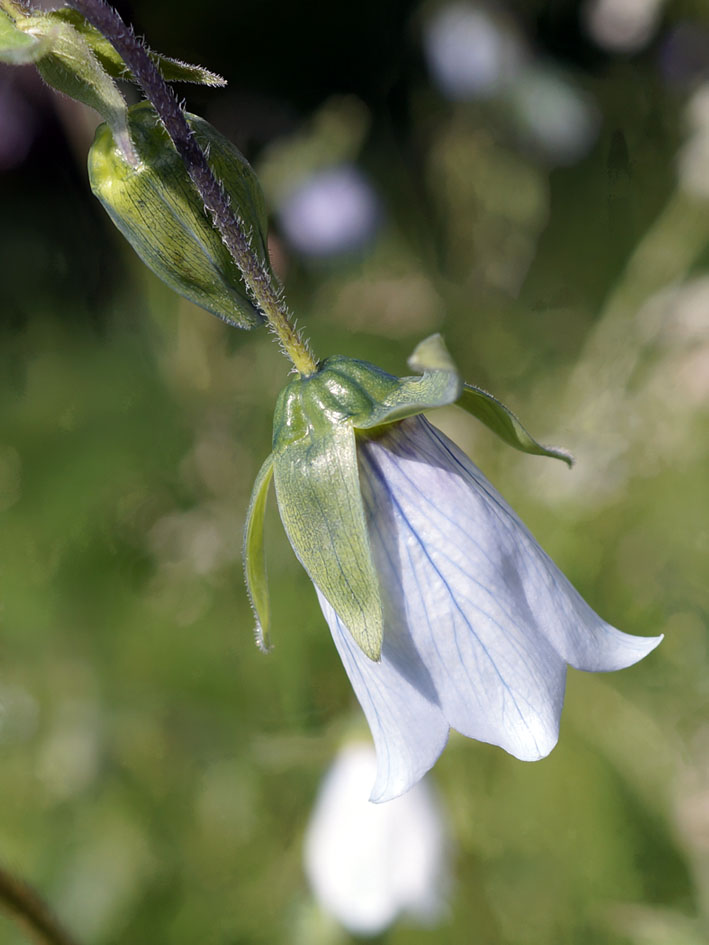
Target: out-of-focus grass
(157, 770)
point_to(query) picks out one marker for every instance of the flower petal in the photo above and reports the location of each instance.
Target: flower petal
(400, 703)
(479, 622)
(453, 578)
(558, 611)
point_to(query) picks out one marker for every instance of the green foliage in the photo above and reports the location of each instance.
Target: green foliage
(505, 424)
(319, 498)
(439, 386)
(17, 47)
(171, 69)
(255, 557)
(66, 61)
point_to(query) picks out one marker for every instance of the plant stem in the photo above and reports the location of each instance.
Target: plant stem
(29, 909)
(257, 279)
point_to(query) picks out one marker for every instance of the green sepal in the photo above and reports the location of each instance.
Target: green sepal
(173, 70)
(439, 386)
(69, 65)
(158, 210)
(18, 48)
(500, 419)
(255, 558)
(320, 502)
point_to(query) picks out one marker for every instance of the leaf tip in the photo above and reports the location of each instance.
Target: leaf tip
(558, 452)
(370, 643)
(262, 638)
(431, 354)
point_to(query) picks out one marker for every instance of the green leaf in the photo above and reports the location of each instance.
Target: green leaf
(157, 208)
(173, 70)
(319, 499)
(69, 65)
(439, 386)
(490, 411)
(255, 557)
(18, 48)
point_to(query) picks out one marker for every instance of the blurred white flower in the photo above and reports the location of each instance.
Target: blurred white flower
(333, 211)
(694, 156)
(553, 114)
(368, 864)
(622, 25)
(470, 53)
(480, 623)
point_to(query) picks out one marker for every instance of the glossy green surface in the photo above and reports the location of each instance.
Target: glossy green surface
(319, 498)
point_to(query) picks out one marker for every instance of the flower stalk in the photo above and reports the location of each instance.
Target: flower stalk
(258, 280)
(25, 905)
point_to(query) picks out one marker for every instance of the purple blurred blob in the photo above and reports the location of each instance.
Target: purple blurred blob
(17, 126)
(684, 54)
(469, 53)
(333, 211)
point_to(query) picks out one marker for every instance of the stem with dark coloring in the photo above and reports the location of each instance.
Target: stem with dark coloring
(257, 279)
(25, 905)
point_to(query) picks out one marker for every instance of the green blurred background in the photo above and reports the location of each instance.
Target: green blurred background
(546, 209)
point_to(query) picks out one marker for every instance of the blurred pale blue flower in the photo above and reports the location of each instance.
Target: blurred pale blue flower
(480, 623)
(334, 211)
(369, 864)
(471, 53)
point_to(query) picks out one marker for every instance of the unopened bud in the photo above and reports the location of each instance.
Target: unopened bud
(157, 208)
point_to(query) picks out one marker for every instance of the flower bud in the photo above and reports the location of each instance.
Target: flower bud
(157, 208)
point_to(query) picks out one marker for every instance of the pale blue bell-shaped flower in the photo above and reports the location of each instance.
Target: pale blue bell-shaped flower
(480, 623)
(444, 609)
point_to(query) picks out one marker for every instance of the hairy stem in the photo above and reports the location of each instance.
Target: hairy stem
(25, 905)
(257, 279)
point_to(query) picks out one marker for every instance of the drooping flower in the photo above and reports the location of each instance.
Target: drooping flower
(367, 865)
(444, 609)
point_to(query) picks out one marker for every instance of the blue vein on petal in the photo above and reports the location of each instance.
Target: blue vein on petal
(506, 519)
(543, 566)
(487, 591)
(434, 640)
(380, 476)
